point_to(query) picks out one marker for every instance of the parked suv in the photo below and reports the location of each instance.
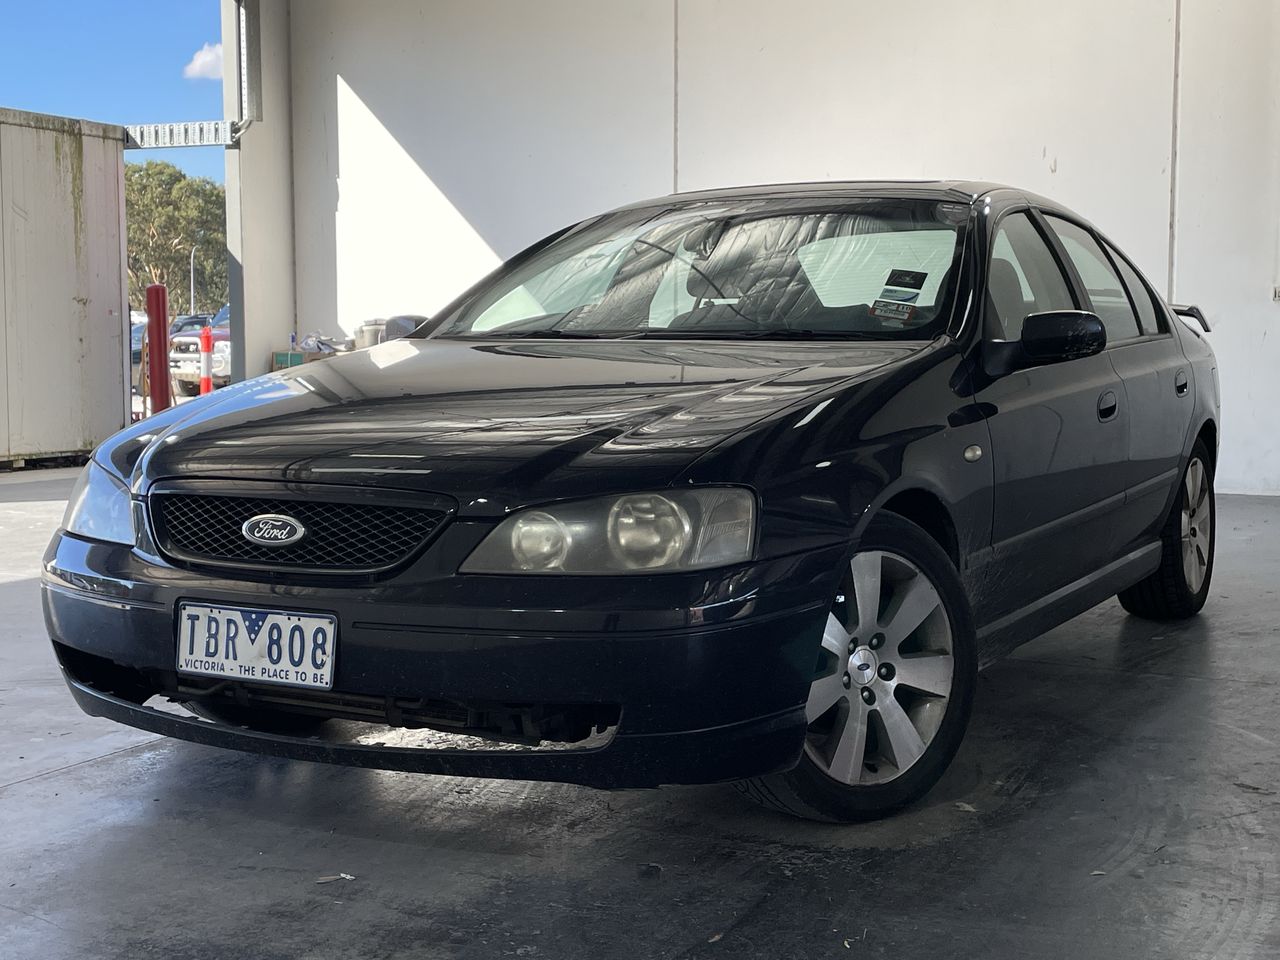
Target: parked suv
(184, 355)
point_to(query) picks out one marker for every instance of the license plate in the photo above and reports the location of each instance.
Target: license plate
(259, 646)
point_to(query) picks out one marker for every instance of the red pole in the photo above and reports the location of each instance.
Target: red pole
(158, 347)
(206, 359)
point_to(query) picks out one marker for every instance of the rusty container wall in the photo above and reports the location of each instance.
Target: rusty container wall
(64, 339)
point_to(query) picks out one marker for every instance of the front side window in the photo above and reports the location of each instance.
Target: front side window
(1110, 301)
(859, 269)
(1023, 277)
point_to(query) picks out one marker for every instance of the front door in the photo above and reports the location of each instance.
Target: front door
(1059, 436)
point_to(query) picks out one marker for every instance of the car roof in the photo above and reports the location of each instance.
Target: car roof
(963, 191)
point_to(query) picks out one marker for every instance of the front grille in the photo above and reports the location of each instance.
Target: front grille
(185, 346)
(339, 536)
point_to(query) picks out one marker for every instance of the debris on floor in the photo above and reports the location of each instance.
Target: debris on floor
(340, 876)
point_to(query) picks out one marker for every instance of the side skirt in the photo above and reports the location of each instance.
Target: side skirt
(1000, 637)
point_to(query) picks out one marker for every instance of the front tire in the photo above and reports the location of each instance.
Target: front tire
(893, 687)
(186, 388)
(1180, 586)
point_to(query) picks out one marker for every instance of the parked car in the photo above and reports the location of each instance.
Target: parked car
(743, 485)
(137, 334)
(184, 355)
(190, 323)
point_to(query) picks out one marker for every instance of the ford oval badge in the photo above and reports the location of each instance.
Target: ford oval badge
(273, 530)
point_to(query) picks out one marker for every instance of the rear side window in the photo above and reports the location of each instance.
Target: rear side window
(1106, 291)
(1024, 277)
(1139, 293)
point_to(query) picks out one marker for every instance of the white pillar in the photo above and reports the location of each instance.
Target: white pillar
(259, 179)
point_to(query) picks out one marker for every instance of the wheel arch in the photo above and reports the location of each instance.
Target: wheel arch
(928, 511)
(1209, 434)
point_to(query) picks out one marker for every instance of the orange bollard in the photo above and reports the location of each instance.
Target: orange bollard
(206, 360)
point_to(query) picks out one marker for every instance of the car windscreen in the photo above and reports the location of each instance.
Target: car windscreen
(859, 269)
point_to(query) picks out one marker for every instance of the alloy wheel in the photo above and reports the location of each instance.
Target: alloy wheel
(884, 674)
(1197, 526)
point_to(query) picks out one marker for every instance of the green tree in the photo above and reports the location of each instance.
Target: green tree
(168, 213)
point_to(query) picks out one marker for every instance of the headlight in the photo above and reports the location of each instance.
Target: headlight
(640, 532)
(221, 357)
(100, 508)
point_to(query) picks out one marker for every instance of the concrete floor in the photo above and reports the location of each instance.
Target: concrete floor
(1116, 797)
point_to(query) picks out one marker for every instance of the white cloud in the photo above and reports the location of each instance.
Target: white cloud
(206, 64)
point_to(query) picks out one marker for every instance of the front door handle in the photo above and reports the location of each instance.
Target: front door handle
(1181, 384)
(1108, 406)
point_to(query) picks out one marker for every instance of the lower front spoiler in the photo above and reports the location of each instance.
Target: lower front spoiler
(755, 747)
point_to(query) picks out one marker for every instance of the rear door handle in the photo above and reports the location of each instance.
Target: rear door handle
(1181, 384)
(1108, 405)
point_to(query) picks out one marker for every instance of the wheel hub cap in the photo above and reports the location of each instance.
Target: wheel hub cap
(863, 665)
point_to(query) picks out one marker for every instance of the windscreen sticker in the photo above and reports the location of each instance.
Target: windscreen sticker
(911, 279)
(893, 310)
(902, 296)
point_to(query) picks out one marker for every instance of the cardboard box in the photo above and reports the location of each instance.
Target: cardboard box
(283, 359)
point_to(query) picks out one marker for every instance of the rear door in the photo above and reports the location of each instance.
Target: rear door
(1059, 433)
(1149, 359)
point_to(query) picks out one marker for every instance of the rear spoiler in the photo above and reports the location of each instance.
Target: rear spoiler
(1194, 312)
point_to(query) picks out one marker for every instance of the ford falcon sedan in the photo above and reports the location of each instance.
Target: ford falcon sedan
(743, 485)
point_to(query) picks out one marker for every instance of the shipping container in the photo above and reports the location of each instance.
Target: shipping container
(64, 340)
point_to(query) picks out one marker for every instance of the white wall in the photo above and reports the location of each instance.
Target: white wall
(1228, 226)
(433, 137)
(1028, 93)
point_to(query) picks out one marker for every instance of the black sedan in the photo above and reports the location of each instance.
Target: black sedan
(742, 485)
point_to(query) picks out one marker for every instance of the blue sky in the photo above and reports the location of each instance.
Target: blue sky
(119, 62)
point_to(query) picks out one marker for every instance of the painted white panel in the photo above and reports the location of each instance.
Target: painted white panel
(1072, 100)
(432, 139)
(1228, 254)
(62, 277)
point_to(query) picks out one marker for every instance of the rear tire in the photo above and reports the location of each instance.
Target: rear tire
(259, 719)
(1180, 586)
(893, 686)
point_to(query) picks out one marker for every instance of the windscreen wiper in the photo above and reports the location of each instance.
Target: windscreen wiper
(772, 333)
(547, 334)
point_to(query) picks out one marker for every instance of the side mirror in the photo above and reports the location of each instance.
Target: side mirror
(1062, 335)
(401, 326)
(1053, 337)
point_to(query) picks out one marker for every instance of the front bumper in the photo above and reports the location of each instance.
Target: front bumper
(709, 671)
(188, 370)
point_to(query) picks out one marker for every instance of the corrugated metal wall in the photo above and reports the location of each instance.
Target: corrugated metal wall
(64, 340)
